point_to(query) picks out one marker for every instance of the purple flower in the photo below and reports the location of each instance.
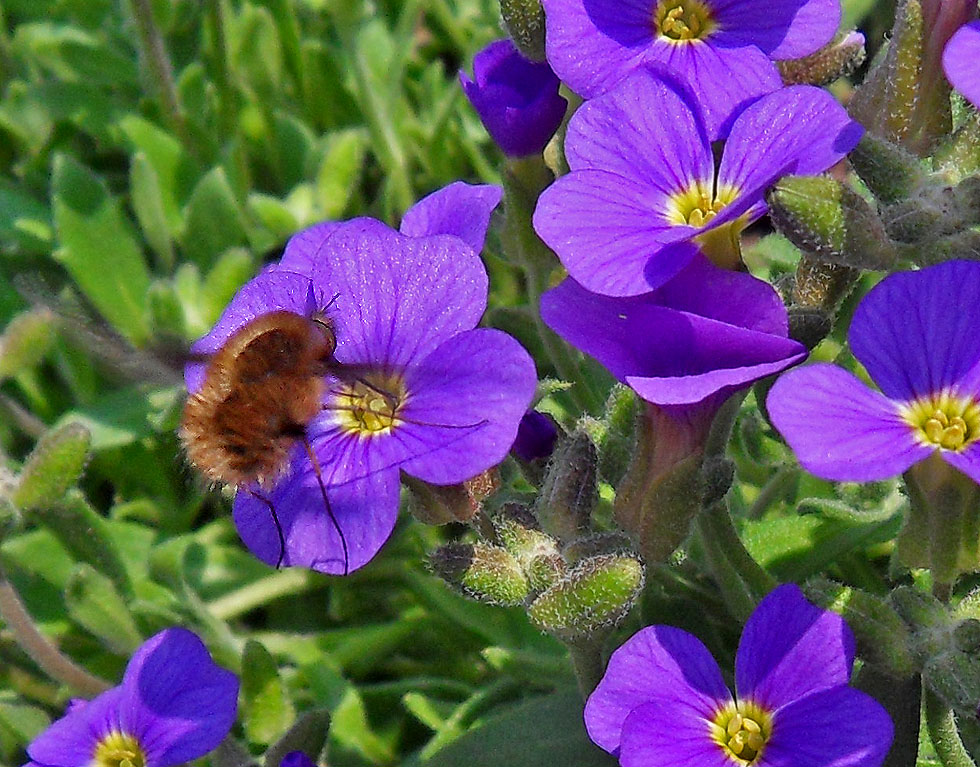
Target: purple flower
(722, 47)
(643, 178)
(418, 388)
(536, 436)
(685, 346)
(517, 99)
(960, 61)
(174, 705)
(916, 335)
(663, 700)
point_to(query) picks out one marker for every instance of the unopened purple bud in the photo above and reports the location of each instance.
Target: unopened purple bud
(517, 99)
(296, 759)
(536, 436)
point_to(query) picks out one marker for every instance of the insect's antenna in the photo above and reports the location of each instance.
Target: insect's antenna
(326, 502)
(275, 518)
(331, 302)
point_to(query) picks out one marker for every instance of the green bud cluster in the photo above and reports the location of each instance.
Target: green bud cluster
(576, 592)
(615, 434)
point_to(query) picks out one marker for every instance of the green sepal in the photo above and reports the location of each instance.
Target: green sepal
(594, 597)
(524, 22)
(268, 710)
(839, 58)
(821, 286)
(94, 602)
(891, 172)
(308, 734)
(481, 571)
(883, 638)
(536, 552)
(25, 341)
(824, 217)
(615, 434)
(55, 464)
(570, 490)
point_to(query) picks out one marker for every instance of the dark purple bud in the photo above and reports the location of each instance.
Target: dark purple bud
(517, 99)
(536, 436)
(296, 759)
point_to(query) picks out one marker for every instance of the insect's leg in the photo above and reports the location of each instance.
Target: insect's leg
(275, 518)
(326, 502)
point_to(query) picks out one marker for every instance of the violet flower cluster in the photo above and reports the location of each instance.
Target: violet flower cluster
(173, 705)
(427, 393)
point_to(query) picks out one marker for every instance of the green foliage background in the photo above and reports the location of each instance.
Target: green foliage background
(132, 207)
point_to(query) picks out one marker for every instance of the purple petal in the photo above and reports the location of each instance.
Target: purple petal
(71, 740)
(460, 209)
(667, 354)
(659, 735)
(398, 297)
(786, 29)
(839, 428)
(176, 701)
(840, 727)
(967, 461)
(648, 129)
(726, 80)
(464, 405)
(960, 61)
(269, 291)
(517, 99)
(659, 665)
(300, 254)
(365, 510)
(592, 44)
(800, 129)
(916, 332)
(536, 436)
(791, 648)
(610, 233)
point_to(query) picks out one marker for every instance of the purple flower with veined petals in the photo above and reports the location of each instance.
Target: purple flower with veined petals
(960, 61)
(426, 393)
(916, 335)
(173, 705)
(686, 346)
(643, 178)
(517, 99)
(663, 700)
(722, 47)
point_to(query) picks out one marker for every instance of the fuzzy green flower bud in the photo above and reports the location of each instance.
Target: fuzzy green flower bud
(615, 435)
(55, 465)
(536, 552)
(840, 58)
(822, 286)
(594, 597)
(891, 172)
(810, 325)
(597, 545)
(25, 341)
(570, 490)
(524, 21)
(442, 504)
(822, 216)
(481, 571)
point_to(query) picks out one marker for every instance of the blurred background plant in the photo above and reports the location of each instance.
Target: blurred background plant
(153, 155)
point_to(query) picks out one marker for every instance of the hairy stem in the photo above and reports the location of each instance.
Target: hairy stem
(48, 658)
(587, 663)
(945, 737)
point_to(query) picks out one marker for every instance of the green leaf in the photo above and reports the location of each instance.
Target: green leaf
(73, 54)
(232, 270)
(214, 221)
(144, 190)
(25, 222)
(267, 709)
(94, 603)
(120, 417)
(340, 171)
(308, 734)
(55, 465)
(545, 730)
(98, 247)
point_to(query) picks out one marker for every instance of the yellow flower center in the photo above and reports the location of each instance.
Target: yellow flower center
(683, 21)
(742, 730)
(944, 420)
(370, 405)
(117, 749)
(695, 207)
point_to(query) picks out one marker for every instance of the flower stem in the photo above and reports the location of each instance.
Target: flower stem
(587, 663)
(945, 737)
(48, 658)
(247, 598)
